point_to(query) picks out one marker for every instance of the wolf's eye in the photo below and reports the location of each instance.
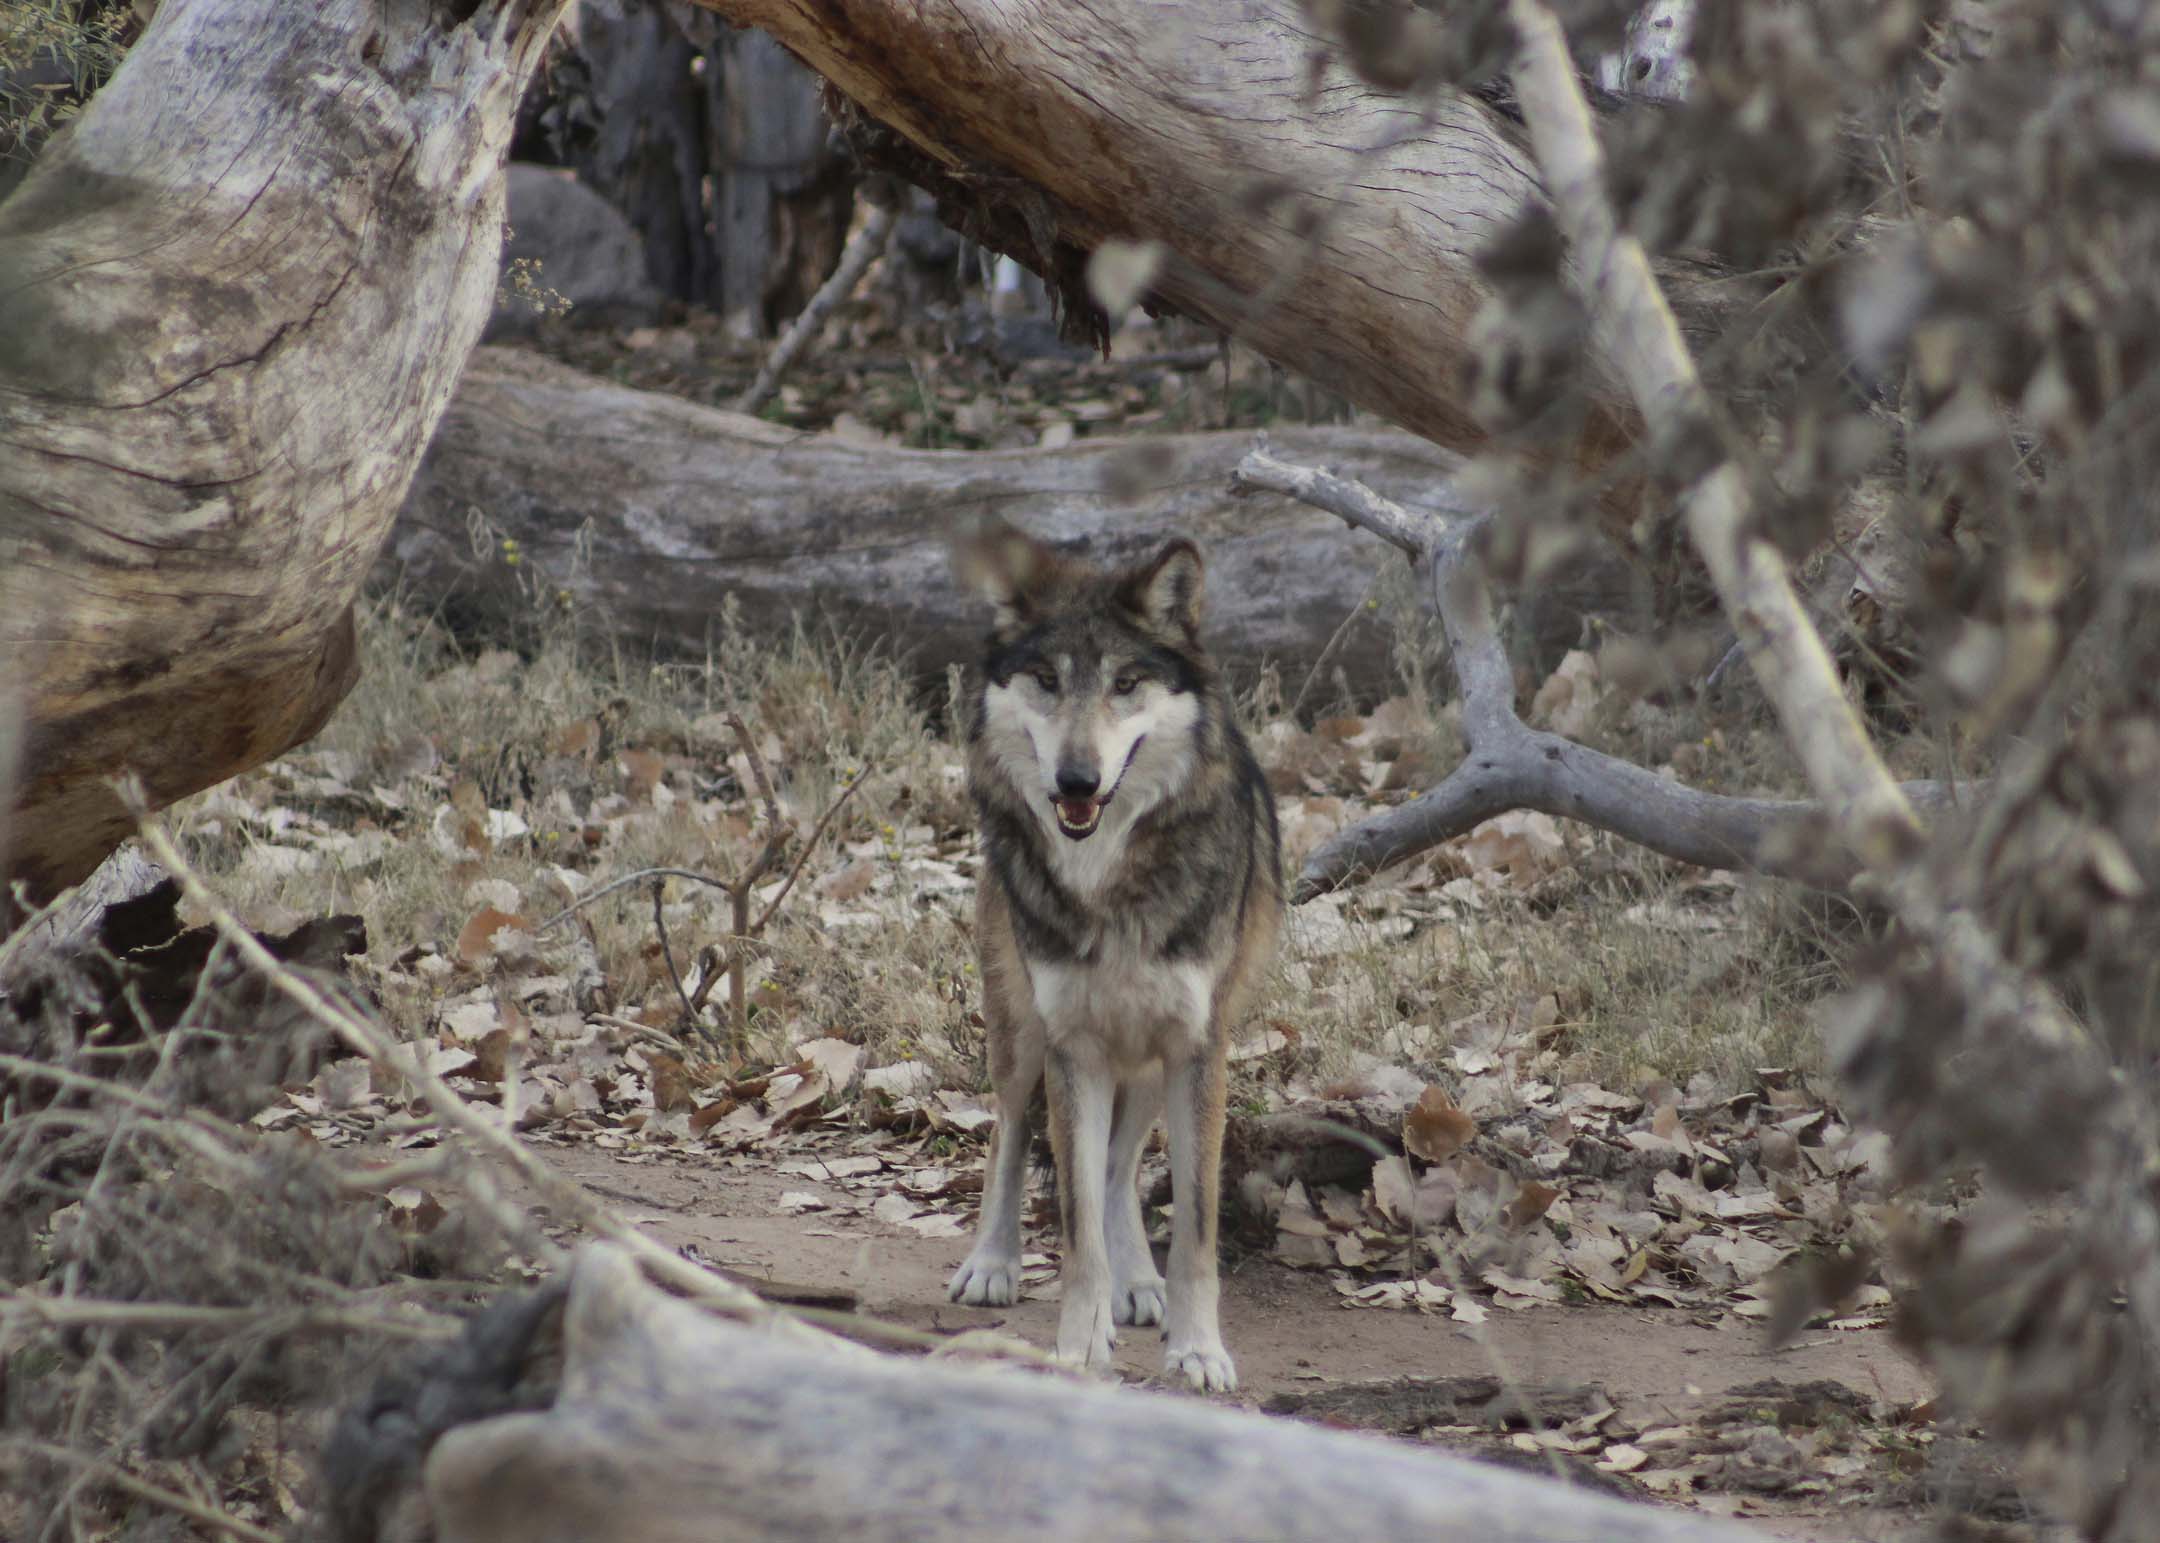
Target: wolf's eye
(1047, 679)
(1126, 684)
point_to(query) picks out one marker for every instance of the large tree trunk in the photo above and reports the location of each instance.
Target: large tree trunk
(1318, 219)
(712, 142)
(666, 1424)
(648, 512)
(234, 298)
(648, 154)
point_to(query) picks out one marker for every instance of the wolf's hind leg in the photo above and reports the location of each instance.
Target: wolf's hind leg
(1136, 1288)
(990, 1277)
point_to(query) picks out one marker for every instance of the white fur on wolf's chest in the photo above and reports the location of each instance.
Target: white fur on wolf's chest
(1135, 1009)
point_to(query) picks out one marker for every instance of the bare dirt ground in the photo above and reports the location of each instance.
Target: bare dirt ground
(1661, 1369)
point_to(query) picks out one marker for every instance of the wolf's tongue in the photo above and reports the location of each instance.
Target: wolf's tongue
(1076, 811)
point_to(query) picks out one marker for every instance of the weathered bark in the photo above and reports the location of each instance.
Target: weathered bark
(648, 152)
(681, 506)
(669, 1423)
(780, 201)
(1330, 225)
(234, 298)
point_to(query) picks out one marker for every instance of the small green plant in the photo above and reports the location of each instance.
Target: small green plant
(53, 55)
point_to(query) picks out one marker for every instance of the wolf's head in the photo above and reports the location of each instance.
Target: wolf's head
(1095, 692)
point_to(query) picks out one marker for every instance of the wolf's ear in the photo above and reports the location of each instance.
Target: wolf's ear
(1007, 567)
(1165, 594)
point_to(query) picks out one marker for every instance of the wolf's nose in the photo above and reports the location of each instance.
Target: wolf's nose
(1076, 782)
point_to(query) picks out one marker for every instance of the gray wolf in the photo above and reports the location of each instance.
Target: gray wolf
(1127, 910)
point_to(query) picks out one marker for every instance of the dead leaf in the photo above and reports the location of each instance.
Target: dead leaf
(836, 1058)
(491, 1055)
(641, 771)
(849, 883)
(1531, 1202)
(671, 1087)
(478, 941)
(703, 1120)
(1393, 1189)
(901, 1079)
(1434, 1129)
(579, 738)
(1567, 702)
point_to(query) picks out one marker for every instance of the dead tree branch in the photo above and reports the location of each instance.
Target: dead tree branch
(1941, 1100)
(862, 250)
(1642, 340)
(489, 1135)
(1510, 765)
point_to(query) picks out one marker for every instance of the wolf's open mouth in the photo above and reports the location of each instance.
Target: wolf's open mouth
(1078, 817)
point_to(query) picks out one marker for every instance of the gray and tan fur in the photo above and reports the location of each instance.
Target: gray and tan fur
(1128, 908)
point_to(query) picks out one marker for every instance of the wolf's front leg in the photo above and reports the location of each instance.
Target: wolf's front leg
(1193, 1334)
(1081, 1094)
(990, 1277)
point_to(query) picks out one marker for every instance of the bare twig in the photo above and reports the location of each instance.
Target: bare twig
(641, 1031)
(711, 965)
(82, 1313)
(143, 1489)
(761, 779)
(562, 1195)
(809, 846)
(743, 931)
(667, 955)
(625, 882)
(1410, 531)
(861, 251)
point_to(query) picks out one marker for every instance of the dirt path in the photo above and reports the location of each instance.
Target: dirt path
(1288, 1329)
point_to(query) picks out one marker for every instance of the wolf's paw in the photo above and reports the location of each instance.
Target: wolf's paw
(1085, 1337)
(1203, 1368)
(1138, 1302)
(986, 1280)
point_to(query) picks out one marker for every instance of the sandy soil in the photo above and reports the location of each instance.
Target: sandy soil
(1287, 1328)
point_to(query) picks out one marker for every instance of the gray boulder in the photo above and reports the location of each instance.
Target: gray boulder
(586, 252)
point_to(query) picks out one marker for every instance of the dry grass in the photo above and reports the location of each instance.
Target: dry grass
(1644, 970)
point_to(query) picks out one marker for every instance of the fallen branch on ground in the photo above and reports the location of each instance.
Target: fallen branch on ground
(563, 1196)
(1509, 765)
(862, 250)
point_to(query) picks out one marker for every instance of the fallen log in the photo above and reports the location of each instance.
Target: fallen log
(669, 1423)
(646, 513)
(1331, 224)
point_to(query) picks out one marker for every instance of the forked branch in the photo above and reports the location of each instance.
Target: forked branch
(1508, 764)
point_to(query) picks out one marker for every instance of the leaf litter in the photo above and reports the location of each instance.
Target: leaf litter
(1493, 1175)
